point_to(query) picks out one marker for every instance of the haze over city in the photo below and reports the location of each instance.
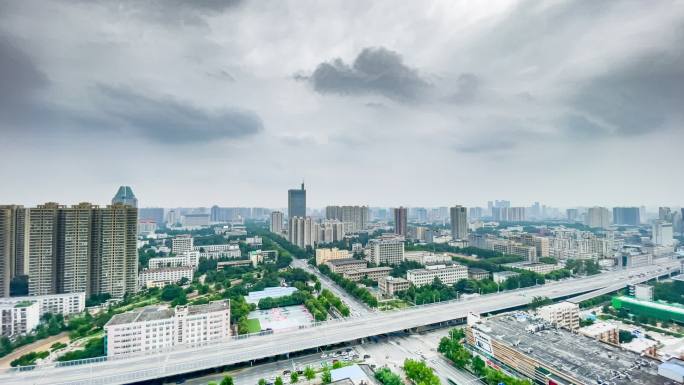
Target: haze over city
(423, 103)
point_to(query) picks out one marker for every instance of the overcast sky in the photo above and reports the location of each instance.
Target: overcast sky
(381, 103)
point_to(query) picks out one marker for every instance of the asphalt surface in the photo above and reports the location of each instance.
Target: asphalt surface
(188, 359)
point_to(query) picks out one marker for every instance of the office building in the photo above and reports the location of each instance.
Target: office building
(400, 221)
(296, 202)
(426, 257)
(386, 249)
(391, 285)
(523, 347)
(125, 196)
(154, 214)
(372, 273)
(162, 276)
(325, 255)
(276, 226)
(356, 215)
(448, 275)
(150, 329)
(12, 223)
(231, 250)
(64, 304)
(662, 234)
(18, 318)
(598, 217)
(188, 258)
(626, 216)
(341, 266)
(459, 222)
(562, 314)
(182, 243)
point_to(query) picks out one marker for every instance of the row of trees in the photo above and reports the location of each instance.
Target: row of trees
(452, 348)
(387, 377)
(420, 373)
(351, 287)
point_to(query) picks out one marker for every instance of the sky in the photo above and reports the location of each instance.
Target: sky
(386, 103)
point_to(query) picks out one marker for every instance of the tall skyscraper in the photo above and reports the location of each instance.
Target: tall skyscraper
(629, 216)
(597, 217)
(296, 202)
(400, 221)
(74, 248)
(125, 196)
(276, 222)
(459, 222)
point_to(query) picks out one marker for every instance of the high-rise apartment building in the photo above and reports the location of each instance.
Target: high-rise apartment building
(459, 222)
(302, 232)
(400, 221)
(629, 216)
(509, 214)
(356, 215)
(296, 202)
(12, 229)
(42, 248)
(125, 196)
(276, 222)
(597, 217)
(74, 248)
(662, 233)
(572, 215)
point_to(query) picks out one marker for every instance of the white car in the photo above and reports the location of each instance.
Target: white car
(324, 355)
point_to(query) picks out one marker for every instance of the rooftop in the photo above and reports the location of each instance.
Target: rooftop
(578, 356)
(142, 314)
(345, 261)
(273, 292)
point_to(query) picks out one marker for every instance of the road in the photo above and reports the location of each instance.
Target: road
(357, 307)
(237, 350)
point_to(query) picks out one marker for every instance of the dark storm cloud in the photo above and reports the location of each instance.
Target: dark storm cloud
(20, 80)
(374, 71)
(638, 97)
(170, 121)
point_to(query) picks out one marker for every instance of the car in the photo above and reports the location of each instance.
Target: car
(349, 350)
(339, 352)
(324, 355)
(286, 372)
(366, 356)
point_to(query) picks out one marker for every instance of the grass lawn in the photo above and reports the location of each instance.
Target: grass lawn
(253, 325)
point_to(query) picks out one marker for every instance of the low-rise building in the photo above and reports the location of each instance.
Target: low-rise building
(448, 275)
(537, 267)
(64, 304)
(236, 263)
(164, 276)
(426, 257)
(372, 273)
(562, 314)
(155, 328)
(324, 255)
(387, 249)
(477, 274)
(391, 285)
(642, 346)
(501, 276)
(341, 266)
(231, 250)
(602, 331)
(18, 317)
(255, 241)
(663, 311)
(263, 256)
(186, 258)
(182, 243)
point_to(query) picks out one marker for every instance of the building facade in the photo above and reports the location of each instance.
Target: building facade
(400, 221)
(276, 225)
(386, 250)
(296, 202)
(459, 222)
(163, 276)
(325, 255)
(448, 275)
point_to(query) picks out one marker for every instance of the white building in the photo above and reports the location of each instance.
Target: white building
(254, 241)
(276, 222)
(164, 276)
(64, 304)
(387, 249)
(501, 276)
(562, 314)
(662, 233)
(426, 257)
(155, 328)
(302, 232)
(17, 318)
(181, 244)
(188, 258)
(231, 250)
(195, 220)
(540, 268)
(448, 275)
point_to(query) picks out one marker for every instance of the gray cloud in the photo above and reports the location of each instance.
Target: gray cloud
(168, 120)
(374, 71)
(638, 97)
(468, 86)
(20, 80)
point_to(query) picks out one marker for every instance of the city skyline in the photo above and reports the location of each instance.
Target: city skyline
(231, 103)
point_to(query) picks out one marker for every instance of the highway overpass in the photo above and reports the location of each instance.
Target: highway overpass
(238, 350)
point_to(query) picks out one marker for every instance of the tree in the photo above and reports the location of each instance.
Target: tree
(538, 302)
(309, 373)
(337, 364)
(326, 377)
(261, 382)
(294, 377)
(278, 381)
(478, 366)
(227, 380)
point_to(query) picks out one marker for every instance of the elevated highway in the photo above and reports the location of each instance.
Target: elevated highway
(245, 349)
